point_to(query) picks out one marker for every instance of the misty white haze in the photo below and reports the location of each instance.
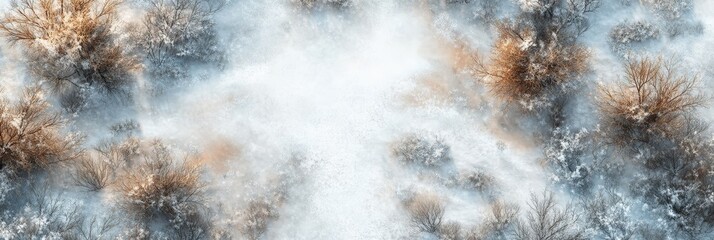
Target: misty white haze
(357, 119)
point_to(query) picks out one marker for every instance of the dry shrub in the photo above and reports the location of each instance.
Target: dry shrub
(161, 186)
(429, 152)
(127, 127)
(498, 224)
(176, 33)
(638, 31)
(669, 9)
(92, 174)
(31, 134)
(654, 101)
(69, 43)
(427, 212)
(450, 231)
(255, 219)
(545, 220)
(477, 180)
(119, 155)
(45, 215)
(98, 227)
(524, 71)
(608, 213)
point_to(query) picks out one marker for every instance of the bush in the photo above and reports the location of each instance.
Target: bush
(127, 128)
(44, 216)
(69, 43)
(162, 187)
(545, 220)
(31, 134)
(92, 174)
(525, 71)
(652, 102)
(98, 227)
(450, 231)
(638, 31)
(498, 224)
(608, 214)
(429, 152)
(255, 219)
(427, 212)
(477, 180)
(564, 153)
(119, 155)
(177, 33)
(669, 9)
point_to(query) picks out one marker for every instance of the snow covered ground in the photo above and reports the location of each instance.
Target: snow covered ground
(314, 102)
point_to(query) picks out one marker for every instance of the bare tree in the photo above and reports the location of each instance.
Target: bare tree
(427, 212)
(653, 101)
(545, 220)
(31, 134)
(69, 43)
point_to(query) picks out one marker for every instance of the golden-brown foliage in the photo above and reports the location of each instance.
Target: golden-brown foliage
(653, 101)
(31, 134)
(522, 69)
(162, 186)
(69, 42)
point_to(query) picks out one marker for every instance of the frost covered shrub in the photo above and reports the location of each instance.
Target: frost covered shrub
(687, 205)
(177, 33)
(44, 216)
(564, 153)
(119, 155)
(6, 185)
(626, 33)
(546, 220)
(31, 135)
(498, 225)
(481, 10)
(608, 214)
(653, 101)
(421, 150)
(450, 231)
(70, 44)
(98, 227)
(321, 4)
(427, 212)
(162, 187)
(477, 180)
(525, 70)
(638, 31)
(669, 9)
(127, 127)
(678, 179)
(254, 220)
